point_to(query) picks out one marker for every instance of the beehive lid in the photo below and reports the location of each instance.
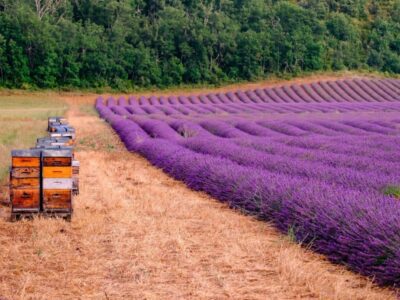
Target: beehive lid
(70, 148)
(53, 140)
(62, 134)
(44, 140)
(57, 153)
(60, 128)
(62, 120)
(75, 163)
(44, 146)
(26, 153)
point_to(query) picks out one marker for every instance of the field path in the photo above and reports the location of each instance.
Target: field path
(138, 234)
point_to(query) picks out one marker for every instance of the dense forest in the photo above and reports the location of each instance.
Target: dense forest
(126, 44)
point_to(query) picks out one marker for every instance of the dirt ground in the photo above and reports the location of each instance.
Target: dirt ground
(138, 234)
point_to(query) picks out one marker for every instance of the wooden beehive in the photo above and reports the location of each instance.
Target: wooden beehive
(25, 181)
(57, 201)
(44, 178)
(57, 181)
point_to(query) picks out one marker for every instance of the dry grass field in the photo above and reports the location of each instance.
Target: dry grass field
(138, 234)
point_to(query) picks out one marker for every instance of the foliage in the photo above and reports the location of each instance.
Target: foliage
(125, 44)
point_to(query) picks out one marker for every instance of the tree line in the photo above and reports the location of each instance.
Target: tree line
(125, 44)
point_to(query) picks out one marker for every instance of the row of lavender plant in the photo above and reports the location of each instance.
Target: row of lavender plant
(238, 108)
(341, 91)
(322, 180)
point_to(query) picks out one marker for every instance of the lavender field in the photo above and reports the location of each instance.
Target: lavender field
(321, 161)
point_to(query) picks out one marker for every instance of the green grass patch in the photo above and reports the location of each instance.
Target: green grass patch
(23, 119)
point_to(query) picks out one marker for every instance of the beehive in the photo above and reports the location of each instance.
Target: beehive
(57, 180)
(25, 181)
(44, 178)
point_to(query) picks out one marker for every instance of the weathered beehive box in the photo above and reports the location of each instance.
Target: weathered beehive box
(75, 177)
(57, 181)
(70, 135)
(56, 121)
(25, 182)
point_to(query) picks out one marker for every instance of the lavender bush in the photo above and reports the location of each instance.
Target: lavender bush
(321, 160)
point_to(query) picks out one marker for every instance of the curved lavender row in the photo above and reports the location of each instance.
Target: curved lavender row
(129, 131)
(122, 101)
(156, 128)
(389, 86)
(331, 92)
(257, 107)
(380, 89)
(224, 98)
(149, 109)
(395, 82)
(312, 94)
(352, 91)
(282, 165)
(111, 102)
(349, 227)
(312, 128)
(254, 107)
(254, 129)
(368, 127)
(222, 129)
(189, 129)
(345, 147)
(352, 128)
(330, 158)
(289, 91)
(283, 96)
(354, 97)
(353, 87)
(133, 101)
(370, 91)
(335, 87)
(282, 128)
(340, 128)
(384, 124)
(322, 93)
(254, 97)
(120, 110)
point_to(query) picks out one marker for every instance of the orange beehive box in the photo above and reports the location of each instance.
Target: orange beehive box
(57, 172)
(25, 183)
(25, 162)
(25, 158)
(57, 200)
(25, 199)
(25, 172)
(57, 161)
